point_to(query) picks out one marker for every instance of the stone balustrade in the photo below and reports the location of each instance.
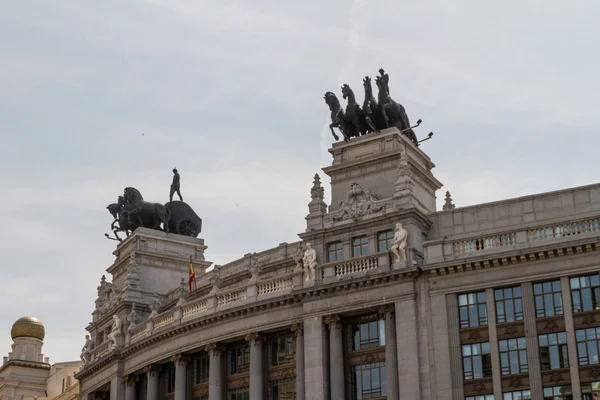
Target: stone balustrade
(231, 297)
(194, 308)
(275, 285)
(355, 265)
(101, 350)
(562, 230)
(485, 243)
(163, 319)
(138, 332)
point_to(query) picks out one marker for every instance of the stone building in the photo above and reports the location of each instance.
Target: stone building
(493, 301)
(26, 374)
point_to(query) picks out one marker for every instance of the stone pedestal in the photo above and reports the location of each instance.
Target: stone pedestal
(400, 264)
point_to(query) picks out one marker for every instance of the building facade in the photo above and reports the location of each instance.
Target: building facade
(493, 301)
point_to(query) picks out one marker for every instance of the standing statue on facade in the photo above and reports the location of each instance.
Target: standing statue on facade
(86, 351)
(175, 186)
(399, 243)
(310, 262)
(115, 334)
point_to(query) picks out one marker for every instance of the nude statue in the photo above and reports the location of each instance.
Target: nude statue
(399, 243)
(310, 262)
(115, 333)
(86, 350)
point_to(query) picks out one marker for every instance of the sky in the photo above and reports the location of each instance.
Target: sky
(96, 96)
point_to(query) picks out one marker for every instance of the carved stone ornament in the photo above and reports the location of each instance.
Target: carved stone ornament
(555, 377)
(474, 335)
(359, 202)
(255, 267)
(550, 324)
(589, 320)
(309, 260)
(86, 351)
(215, 279)
(594, 373)
(403, 166)
(479, 387)
(298, 256)
(115, 333)
(155, 306)
(511, 329)
(515, 383)
(448, 204)
(332, 320)
(133, 318)
(317, 192)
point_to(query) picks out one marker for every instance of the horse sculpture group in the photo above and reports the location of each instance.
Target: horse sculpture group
(131, 212)
(374, 115)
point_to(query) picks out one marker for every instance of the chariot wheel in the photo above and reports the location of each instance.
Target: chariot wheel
(187, 227)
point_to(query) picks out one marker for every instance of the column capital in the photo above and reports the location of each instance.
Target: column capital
(387, 310)
(297, 327)
(253, 337)
(150, 369)
(130, 379)
(214, 348)
(180, 358)
(332, 320)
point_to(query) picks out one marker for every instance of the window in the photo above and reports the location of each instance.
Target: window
(558, 393)
(548, 299)
(360, 246)
(283, 349)
(238, 394)
(553, 351)
(472, 309)
(481, 397)
(513, 356)
(335, 252)
(368, 381)
(587, 345)
(477, 361)
(519, 395)
(509, 305)
(170, 379)
(368, 334)
(239, 359)
(201, 368)
(586, 293)
(384, 241)
(283, 389)
(590, 390)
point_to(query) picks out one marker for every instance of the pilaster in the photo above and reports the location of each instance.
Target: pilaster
(215, 371)
(407, 349)
(316, 361)
(571, 340)
(180, 361)
(456, 367)
(533, 350)
(391, 355)
(256, 366)
(152, 381)
(494, 347)
(336, 357)
(298, 329)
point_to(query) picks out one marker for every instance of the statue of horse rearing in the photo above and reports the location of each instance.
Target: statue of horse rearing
(144, 213)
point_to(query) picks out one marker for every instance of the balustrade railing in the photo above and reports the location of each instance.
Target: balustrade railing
(101, 349)
(231, 297)
(194, 308)
(273, 286)
(485, 243)
(562, 230)
(356, 265)
(163, 319)
(138, 332)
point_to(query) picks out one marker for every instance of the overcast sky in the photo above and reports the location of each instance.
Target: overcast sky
(99, 95)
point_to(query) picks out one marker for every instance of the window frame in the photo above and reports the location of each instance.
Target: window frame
(335, 251)
(513, 393)
(385, 243)
(478, 307)
(589, 285)
(590, 390)
(542, 296)
(512, 306)
(508, 356)
(360, 246)
(354, 383)
(482, 356)
(559, 350)
(276, 383)
(201, 359)
(587, 344)
(556, 396)
(274, 345)
(232, 359)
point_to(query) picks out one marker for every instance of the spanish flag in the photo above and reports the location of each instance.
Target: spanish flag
(192, 274)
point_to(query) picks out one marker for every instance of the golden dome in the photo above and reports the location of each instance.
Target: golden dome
(28, 327)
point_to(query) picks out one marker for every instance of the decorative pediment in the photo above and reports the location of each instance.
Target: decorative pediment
(359, 203)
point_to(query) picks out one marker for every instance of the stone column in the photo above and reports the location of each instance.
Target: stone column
(180, 361)
(117, 388)
(456, 367)
(298, 329)
(391, 356)
(256, 366)
(129, 382)
(533, 350)
(316, 360)
(152, 374)
(215, 371)
(571, 340)
(494, 347)
(336, 358)
(407, 353)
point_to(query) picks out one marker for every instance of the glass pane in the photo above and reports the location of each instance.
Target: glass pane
(517, 291)
(462, 300)
(574, 283)
(537, 288)
(498, 294)
(556, 286)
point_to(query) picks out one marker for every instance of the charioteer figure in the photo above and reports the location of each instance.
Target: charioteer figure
(175, 186)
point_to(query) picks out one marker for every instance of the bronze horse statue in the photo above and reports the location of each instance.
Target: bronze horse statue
(393, 113)
(355, 116)
(146, 214)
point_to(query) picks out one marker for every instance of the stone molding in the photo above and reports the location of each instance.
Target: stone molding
(214, 348)
(180, 358)
(332, 320)
(388, 309)
(297, 327)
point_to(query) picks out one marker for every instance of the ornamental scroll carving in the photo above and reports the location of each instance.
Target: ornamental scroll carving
(359, 203)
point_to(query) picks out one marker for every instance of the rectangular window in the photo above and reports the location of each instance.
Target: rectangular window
(553, 351)
(239, 359)
(548, 299)
(368, 334)
(282, 349)
(590, 390)
(360, 246)
(335, 252)
(585, 291)
(477, 361)
(519, 395)
(170, 379)
(201, 368)
(509, 305)
(238, 394)
(481, 397)
(384, 241)
(513, 356)
(588, 341)
(558, 393)
(368, 381)
(283, 389)
(472, 309)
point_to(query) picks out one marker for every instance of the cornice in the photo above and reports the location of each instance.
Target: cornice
(24, 363)
(98, 365)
